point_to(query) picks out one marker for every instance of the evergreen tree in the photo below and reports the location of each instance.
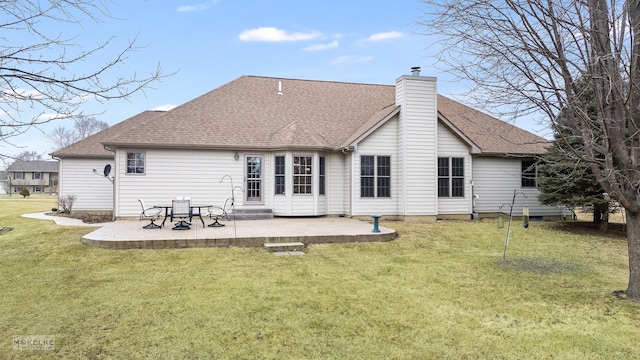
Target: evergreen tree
(566, 179)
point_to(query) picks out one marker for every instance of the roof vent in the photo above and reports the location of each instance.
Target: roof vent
(415, 70)
(279, 87)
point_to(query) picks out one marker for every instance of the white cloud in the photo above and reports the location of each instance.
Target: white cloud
(187, 8)
(165, 107)
(20, 92)
(351, 59)
(196, 7)
(340, 60)
(271, 34)
(384, 36)
(319, 47)
(50, 116)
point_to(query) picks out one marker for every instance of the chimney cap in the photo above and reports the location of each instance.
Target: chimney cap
(415, 70)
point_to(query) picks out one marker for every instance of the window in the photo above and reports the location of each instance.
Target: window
(321, 178)
(375, 176)
(457, 177)
(37, 189)
(384, 176)
(254, 178)
(135, 163)
(302, 174)
(279, 173)
(450, 177)
(36, 175)
(18, 176)
(529, 171)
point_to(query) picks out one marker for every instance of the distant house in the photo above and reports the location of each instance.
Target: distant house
(311, 148)
(4, 182)
(39, 177)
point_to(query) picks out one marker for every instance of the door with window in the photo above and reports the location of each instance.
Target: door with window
(254, 178)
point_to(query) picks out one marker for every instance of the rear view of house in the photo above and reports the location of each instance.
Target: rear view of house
(293, 147)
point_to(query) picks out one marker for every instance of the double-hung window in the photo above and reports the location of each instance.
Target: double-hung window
(135, 163)
(279, 174)
(529, 172)
(302, 174)
(18, 176)
(450, 177)
(36, 176)
(321, 177)
(375, 176)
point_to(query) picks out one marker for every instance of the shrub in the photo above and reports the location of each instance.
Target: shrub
(24, 192)
(66, 203)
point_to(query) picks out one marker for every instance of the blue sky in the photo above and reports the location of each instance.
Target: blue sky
(211, 42)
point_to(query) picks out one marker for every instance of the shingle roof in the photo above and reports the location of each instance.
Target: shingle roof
(30, 166)
(491, 135)
(3, 175)
(250, 113)
(91, 146)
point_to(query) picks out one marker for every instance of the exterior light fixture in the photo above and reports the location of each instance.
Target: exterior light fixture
(236, 156)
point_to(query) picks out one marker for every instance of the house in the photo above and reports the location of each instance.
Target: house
(36, 176)
(311, 148)
(4, 182)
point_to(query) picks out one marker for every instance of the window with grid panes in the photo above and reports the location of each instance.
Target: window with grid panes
(450, 177)
(528, 173)
(135, 163)
(302, 174)
(321, 176)
(375, 176)
(279, 174)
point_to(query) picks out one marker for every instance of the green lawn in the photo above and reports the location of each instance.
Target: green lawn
(439, 291)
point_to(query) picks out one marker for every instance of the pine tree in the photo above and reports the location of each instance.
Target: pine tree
(566, 179)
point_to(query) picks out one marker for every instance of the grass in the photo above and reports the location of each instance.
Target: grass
(440, 290)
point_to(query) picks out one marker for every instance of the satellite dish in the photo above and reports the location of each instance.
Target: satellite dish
(107, 170)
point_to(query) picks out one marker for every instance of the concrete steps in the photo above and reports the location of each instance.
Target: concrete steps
(288, 248)
(251, 214)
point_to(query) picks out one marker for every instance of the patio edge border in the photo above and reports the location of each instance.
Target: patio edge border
(236, 242)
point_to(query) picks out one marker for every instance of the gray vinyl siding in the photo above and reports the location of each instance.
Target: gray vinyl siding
(380, 143)
(339, 186)
(451, 146)
(417, 139)
(336, 186)
(281, 203)
(93, 192)
(205, 176)
(496, 179)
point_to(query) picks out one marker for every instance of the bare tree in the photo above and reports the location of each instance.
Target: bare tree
(527, 57)
(61, 137)
(43, 68)
(28, 156)
(83, 126)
